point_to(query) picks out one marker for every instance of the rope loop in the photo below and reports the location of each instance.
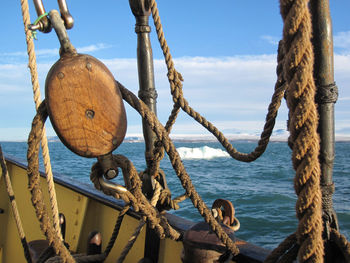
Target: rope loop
(133, 195)
(178, 166)
(175, 79)
(35, 186)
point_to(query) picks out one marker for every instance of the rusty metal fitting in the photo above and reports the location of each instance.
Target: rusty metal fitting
(225, 209)
(43, 23)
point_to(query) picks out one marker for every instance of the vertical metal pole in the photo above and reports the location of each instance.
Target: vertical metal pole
(326, 96)
(148, 94)
(147, 91)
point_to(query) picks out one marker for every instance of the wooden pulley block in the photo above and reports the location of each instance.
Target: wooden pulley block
(83, 100)
(85, 105)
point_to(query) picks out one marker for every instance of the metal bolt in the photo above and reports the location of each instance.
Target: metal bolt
(115, 141)
(90, 114)
(60, 75)
(89, 66)
(110, 174)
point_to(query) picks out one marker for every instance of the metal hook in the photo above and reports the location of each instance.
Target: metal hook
(112, 187)
(44, 24)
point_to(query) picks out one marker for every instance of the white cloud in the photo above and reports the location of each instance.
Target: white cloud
(93, 48)
(232, 92)
(273, 40)
(342, 40)
(53, 52)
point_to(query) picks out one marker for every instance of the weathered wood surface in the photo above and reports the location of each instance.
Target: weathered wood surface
(85, 105)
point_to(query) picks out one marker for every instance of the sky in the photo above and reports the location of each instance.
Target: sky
(225, 50)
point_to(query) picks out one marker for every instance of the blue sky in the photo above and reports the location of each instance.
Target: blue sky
(225, 50)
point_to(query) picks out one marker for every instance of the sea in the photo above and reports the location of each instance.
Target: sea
(262, 191)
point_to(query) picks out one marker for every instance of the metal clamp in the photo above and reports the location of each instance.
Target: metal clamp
(44, 24)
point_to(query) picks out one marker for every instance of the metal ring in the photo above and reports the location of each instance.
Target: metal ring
(236, 225)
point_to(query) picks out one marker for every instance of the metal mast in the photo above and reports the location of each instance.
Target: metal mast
(326, 97)
(148, 94)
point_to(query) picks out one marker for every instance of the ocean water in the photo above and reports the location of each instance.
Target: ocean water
(262, 192)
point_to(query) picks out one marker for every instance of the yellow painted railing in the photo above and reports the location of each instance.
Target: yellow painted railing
(85, 211)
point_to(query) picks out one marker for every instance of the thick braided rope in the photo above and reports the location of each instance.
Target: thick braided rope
(303, 121)
(14, 208)
(175, 80)
(175, 159)
(37, 98)
(35, 189)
